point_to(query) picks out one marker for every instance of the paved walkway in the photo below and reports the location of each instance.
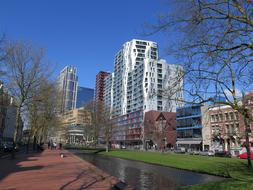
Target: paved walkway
(47, 170)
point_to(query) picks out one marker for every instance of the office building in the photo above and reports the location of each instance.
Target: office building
(190, 120)
(84, 96)
(67, 84)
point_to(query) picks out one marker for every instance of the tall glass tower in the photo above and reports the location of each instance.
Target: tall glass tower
(67, 83)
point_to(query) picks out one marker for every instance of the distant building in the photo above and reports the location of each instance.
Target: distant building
(190, 120)
(77, 123)
(67, 84)
(8, 112)
(100, 85)
(108, 91)
(84, 96)
(10, 124)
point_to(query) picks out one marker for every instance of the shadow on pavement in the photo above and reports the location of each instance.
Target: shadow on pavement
(9, 165)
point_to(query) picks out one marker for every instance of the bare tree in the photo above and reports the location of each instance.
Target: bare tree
(42, 111)
(214, 42)
(102, 127)
(25, 69)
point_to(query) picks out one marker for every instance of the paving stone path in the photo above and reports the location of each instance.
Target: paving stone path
(48, 171)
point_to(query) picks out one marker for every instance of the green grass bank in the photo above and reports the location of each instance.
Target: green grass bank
(236, 169)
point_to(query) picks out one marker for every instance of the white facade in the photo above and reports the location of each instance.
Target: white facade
(10, 123)
(67, 83)
(142, 82)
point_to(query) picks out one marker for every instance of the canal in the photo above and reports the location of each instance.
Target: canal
(144, 176)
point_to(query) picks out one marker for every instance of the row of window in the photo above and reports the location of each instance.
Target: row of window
(225, 117)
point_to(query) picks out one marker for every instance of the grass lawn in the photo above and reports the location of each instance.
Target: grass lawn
(241, 176)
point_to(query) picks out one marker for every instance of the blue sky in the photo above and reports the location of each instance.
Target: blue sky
(83, 33)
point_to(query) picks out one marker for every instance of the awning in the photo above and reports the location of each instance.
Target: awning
(188, 142)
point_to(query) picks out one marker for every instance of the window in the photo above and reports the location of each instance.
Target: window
(221, 117)
(226, 116)
(232, 116)
(216, 117)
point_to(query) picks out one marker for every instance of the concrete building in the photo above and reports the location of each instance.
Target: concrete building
(100, 85)
(8, 112)
(84, 96)
(67, 84)
(143, 82)
(77, 125)
(10, 124)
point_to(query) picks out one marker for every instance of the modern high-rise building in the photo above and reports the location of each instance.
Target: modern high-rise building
(67, 83)
(100, 83)
(141, 81)
(84, 96)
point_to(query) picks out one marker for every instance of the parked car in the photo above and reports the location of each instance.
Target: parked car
(179, 151)
(222, 154)
(203, 153)
(210, 153)
(8, 147)
(243, 153)
(123, 147)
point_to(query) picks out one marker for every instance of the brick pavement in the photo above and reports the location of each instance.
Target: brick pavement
(48, 171)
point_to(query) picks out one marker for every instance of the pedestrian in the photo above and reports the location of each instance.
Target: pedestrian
(60, 145)
(54, 145)
(48, 145)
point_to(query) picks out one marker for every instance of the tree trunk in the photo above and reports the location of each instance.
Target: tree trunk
(247, 141)
(34, 143)
(27, 145)
(17, 128)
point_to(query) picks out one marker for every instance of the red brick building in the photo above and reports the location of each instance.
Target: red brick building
(160, 129)
(225, 130)
(100, 82)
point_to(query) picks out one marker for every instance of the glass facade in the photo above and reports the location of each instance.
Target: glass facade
(189, 127)
(84, 96)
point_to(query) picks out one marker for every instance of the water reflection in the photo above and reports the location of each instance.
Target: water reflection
(147, 176)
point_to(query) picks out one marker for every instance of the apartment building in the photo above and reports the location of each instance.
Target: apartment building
(141, 82)
(100, 85)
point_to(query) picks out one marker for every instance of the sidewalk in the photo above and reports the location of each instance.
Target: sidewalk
(48, 171)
